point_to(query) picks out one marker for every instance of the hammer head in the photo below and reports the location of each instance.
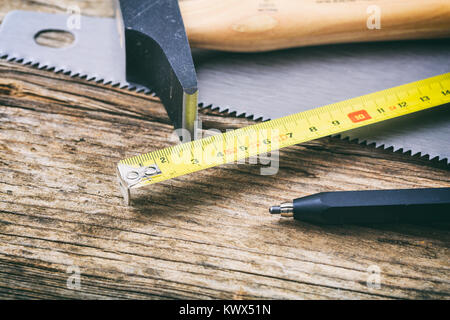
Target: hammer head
(158, 56)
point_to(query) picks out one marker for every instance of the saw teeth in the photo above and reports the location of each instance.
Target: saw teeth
(377, 145)
(230, 110)
(78, 75)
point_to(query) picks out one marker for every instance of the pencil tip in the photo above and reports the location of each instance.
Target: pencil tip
(275, 210)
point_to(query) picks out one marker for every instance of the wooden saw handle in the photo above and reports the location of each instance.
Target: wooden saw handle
(261, 25)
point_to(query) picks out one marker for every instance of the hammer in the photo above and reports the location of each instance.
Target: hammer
(158, 54)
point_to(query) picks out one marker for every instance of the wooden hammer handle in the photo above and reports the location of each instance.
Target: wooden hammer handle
(261, 25)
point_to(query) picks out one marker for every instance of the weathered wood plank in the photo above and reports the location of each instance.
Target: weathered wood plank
(195, 236)
(207, 235)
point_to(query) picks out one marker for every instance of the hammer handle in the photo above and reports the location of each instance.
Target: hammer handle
(262, 25)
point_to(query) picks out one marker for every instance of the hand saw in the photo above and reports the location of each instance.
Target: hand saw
(294, 80)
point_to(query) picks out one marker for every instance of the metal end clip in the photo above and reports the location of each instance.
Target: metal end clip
(285, 209)
(131, 177)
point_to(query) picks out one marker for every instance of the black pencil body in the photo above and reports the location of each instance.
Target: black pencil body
(374, 206)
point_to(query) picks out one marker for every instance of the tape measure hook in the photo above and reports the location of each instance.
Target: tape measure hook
(130, 176)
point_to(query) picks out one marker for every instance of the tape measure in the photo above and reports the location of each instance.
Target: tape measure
(272, 135)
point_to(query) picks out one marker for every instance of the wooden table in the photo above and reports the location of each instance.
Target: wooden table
(207, 235)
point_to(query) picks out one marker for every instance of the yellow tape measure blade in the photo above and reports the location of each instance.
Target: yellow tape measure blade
(271, 135)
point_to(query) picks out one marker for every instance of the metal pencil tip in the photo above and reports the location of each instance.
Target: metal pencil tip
(275, 210)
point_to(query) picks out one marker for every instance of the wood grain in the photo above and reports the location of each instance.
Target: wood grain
(102, 8)
(262, 25)
(207, 235)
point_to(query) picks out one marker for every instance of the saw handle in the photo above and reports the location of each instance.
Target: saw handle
(262, 25)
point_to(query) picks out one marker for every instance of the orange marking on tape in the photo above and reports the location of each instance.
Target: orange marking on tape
(359, 116)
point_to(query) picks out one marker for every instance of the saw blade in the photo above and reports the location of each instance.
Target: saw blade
(276, 84)
(263, 85)
(97, 52)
